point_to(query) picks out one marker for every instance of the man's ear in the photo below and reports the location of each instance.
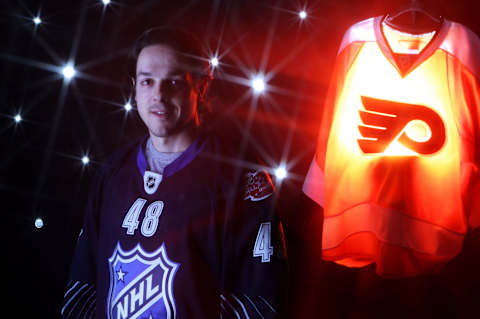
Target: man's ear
(132, 88)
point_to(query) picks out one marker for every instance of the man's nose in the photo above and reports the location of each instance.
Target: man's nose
(157, 97)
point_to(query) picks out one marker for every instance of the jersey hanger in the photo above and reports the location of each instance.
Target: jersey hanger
(414, 19)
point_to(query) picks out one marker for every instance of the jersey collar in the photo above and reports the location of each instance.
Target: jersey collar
(183, 160)
(429, 49)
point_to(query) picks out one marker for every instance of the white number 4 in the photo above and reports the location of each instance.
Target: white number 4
(263, 247)
(130, 222)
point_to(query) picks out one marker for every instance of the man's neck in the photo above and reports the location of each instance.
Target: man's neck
(174, 143)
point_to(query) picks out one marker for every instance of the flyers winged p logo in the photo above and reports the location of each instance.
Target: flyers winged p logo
(416, 127)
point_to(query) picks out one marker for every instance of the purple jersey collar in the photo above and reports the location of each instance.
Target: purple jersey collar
(187, 156)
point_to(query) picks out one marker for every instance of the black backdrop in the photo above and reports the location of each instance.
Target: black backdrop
(41, 173)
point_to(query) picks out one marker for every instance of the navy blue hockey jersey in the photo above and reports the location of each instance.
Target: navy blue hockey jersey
(200, 241)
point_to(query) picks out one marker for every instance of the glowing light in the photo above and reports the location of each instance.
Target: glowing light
(302, 14)
(37, 20)
(214, 61)
(418, 131)
(397, 149)
(17, 118)
(68, 71)
(85, 160)
(127, 106)
(106, 2)
(258, 84)
(39, 223)
(281, 172)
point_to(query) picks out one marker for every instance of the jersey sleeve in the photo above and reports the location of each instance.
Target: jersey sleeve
(463, 47)
(471, 169)
(80, 294)
(255, 258)
(314, 185)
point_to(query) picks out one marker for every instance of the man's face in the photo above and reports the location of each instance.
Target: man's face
(166, 96)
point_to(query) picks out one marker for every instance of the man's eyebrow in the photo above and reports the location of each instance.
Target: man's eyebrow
(144, 73)
(173, 73)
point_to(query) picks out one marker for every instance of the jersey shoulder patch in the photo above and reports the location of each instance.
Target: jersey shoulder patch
(258, 185)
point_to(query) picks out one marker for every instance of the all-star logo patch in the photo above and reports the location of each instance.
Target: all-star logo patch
(151, 180)
(141, 284)
(258, 186)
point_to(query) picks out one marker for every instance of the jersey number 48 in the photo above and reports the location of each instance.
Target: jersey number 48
(150, 221)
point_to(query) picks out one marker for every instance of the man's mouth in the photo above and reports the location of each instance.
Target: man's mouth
(160, 114)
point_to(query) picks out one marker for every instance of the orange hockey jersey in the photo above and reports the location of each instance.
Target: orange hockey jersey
(398, 153)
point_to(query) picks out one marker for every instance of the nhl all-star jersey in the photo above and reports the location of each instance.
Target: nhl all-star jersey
(202, 240)
(396, 169)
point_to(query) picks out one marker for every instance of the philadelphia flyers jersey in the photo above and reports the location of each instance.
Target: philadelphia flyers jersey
(202, 240)
(398, 153)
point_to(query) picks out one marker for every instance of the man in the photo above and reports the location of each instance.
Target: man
(172, 230)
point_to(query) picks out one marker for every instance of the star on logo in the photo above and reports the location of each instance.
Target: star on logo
(121, 274)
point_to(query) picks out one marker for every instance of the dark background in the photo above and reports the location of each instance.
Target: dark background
(41, 173)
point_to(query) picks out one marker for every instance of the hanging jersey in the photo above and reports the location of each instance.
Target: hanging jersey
(184, 244)
(396, 165)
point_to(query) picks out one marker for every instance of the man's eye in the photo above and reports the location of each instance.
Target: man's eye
(173, 84)
(146, 82)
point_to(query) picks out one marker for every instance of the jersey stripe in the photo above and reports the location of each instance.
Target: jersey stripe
(266, 302)
(254, 306)
(241, 305)
(79, 299)
(231, 306)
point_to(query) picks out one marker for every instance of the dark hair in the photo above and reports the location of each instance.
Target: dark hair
(190, 51)
(184, 43)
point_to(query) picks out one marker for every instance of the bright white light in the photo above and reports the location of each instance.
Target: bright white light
(281, 172)
(17, 118)
(39, 223)
(302, 14)
(106, 2)
(258, 84)
(85, 160)
(68, 72)
(419, 131)
(214, 61)
(127, 106)
(37, 20)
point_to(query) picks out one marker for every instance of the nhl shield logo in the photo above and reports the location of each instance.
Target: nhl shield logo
(141, 284)
(151, 180)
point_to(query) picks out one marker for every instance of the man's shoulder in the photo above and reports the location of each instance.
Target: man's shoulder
(121, 157)
(233, 145)
(240, 167)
